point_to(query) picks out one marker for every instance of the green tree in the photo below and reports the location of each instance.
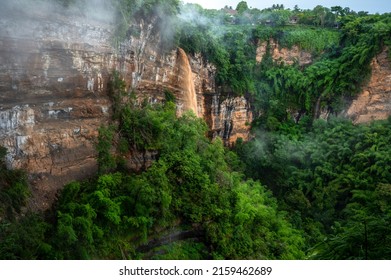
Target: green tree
(25, 239)
(14, 190)
(320, 13)
(280, 17)
(106, 160)
(242, 7)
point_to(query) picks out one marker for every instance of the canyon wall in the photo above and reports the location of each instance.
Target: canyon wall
(54, 72)
(288, 56)
(228, 117)
(374, 102)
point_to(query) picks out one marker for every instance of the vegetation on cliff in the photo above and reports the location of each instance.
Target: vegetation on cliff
(302, 188)
(342, 51)
(13, 189)
(194, 185)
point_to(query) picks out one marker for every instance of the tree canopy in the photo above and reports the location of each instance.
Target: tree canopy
(301, 188)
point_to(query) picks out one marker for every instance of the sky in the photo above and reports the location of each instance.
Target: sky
(371, 6)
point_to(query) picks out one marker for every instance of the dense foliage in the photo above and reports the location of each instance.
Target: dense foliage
(17, 232)
(334, 180)
(301, 188)
(341, 56)
(13, 189)
(195, 185)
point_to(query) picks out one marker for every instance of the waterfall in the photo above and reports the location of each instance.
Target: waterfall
(186, 83)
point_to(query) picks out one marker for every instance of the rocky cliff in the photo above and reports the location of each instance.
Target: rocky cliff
(288, 56)
(54, 72)
(227, 116)
(374, 102)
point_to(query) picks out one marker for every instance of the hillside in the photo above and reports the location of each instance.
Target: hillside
(161, 130)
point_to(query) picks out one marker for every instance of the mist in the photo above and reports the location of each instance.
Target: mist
(97, 10)
(193, 15)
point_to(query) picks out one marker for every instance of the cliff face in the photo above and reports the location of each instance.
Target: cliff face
(374, 103)
(227, 117)
(288, 56)
(54, 72)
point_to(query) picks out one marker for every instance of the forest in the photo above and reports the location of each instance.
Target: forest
(303, 187)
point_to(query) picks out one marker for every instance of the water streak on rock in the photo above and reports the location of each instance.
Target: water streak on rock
(187, 83)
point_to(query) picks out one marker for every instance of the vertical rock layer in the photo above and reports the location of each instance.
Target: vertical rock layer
(374, 102)
(228, 117)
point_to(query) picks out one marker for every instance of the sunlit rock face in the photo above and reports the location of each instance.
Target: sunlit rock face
(374, 103)
(54, 72)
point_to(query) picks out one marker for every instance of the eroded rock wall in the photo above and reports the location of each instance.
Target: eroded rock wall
(54, 74)
(53, 77)
(374, 103)
(228, 117)
(288, 56)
